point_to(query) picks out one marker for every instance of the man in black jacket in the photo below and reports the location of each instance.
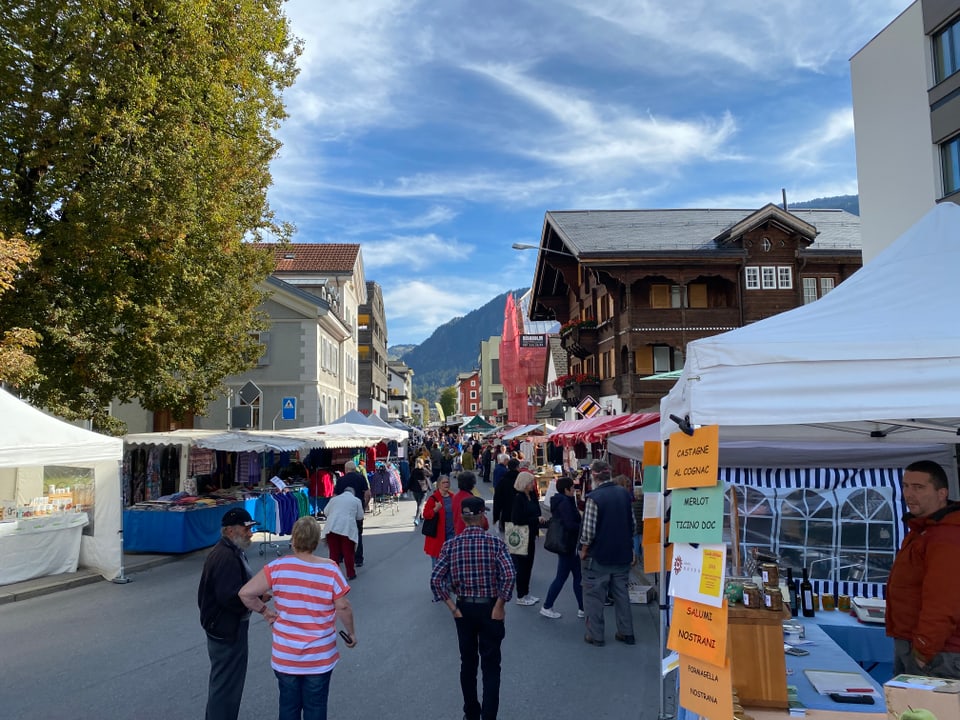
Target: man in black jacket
(353, 478)
(223, 615)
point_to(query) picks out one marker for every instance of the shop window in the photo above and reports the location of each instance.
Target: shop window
(751, 277)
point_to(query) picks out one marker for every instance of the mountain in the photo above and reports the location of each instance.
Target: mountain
(396, 352)
(454, 347)
(850, 203)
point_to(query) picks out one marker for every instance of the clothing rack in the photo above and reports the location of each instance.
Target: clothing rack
(268, 542)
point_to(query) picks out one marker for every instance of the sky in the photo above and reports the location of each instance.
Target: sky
(437, 134)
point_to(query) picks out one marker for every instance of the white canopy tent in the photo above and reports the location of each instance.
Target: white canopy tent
(33, 440)
(875, 361)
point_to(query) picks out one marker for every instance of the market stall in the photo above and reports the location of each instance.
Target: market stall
(868, 370)
(59, 496)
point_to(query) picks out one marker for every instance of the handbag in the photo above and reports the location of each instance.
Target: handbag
(430, 526)
(517, 538)
(557, 539)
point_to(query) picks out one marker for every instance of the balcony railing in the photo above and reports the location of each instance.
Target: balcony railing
(580, 342)
(575, 392)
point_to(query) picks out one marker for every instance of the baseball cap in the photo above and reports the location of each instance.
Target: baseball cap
(237, 516)
(473, 506)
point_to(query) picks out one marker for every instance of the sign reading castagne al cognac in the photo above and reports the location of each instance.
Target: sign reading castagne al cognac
(693, 459)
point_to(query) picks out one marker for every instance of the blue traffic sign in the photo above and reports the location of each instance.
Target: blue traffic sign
(289, 408)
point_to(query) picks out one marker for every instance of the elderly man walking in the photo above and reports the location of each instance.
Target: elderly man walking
(477, 568)
(606, 549)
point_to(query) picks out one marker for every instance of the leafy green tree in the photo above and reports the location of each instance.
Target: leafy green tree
(135, 142)
(17, 365)
(448, 400)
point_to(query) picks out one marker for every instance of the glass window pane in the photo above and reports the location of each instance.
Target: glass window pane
(950, 162)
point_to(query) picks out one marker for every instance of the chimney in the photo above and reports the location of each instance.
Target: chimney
(784, 191)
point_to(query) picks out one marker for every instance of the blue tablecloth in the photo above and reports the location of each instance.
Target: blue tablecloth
(165, 531)
(825, 654)
(867, 643)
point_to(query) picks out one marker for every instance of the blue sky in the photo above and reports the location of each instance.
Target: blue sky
(436, 134)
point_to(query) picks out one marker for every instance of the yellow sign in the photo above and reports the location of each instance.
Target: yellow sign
(699, 631)
(589, 407)
(651, 453)
(706, 689)
(711, 573)
(694, 459)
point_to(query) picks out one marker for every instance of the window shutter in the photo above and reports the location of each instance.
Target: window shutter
(697, 294)
(644, 360)
(659, 296)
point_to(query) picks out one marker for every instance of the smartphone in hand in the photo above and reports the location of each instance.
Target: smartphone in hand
(347, 638)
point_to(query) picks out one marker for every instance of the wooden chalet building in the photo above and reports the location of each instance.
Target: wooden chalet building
(632, 287)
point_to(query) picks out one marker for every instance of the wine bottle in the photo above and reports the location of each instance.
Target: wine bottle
(794, 595)
(806, 595)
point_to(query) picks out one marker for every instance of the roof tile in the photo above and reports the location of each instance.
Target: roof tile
(314, 257)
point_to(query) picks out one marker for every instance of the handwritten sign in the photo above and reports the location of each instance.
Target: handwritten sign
(699, 631)
(706, 689)
(696, 515)
(694, 459)
(697, 573)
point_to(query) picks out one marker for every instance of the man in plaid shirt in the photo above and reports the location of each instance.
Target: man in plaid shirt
(477, 568)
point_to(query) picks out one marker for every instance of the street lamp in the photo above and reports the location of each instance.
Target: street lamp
(526, 246)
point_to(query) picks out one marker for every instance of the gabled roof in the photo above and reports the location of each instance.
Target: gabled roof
(602, 233)
(769, 213)
(314, 257)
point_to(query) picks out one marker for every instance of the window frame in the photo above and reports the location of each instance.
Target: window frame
(784, 277)
(950, 166)
(751, 277)
(942, 69)
(768, 283)
(810, 290)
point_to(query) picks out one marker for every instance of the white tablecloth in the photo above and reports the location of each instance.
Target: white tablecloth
(45, 545)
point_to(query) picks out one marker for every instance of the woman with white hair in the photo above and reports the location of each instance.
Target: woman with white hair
(343, 513)
(526, 511)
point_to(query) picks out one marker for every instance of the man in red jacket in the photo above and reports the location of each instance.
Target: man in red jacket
(923, 590)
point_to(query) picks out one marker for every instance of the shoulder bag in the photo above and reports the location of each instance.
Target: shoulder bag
(517, 538)
(557, 539)
(431, 526)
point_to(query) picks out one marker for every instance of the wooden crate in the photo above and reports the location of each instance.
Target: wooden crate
(757, 661)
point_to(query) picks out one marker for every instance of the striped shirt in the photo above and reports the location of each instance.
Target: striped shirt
(305, 631)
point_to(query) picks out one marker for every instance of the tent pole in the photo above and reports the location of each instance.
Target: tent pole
(121, 579)
(663, 714)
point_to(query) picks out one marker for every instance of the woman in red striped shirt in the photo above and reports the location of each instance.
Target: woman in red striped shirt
(310, 595)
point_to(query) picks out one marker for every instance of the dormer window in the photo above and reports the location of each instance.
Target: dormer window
(765, 244)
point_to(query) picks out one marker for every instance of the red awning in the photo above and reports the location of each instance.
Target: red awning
(596, 429)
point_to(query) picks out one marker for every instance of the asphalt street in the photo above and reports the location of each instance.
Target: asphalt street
(137, 651)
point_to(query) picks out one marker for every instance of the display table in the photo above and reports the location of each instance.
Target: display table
(867, 643)
(38, 546)
(173, 531)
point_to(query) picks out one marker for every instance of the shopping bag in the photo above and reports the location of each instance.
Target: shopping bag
(517, 538)
(557, 539)
(430, 526)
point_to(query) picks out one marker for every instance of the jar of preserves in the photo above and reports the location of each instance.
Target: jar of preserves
(843, 603)
(772, 598)
(751, 595)
(770, 573)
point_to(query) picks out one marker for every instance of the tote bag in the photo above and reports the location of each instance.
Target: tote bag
(517, 538)
(557, 539)
(430, 526)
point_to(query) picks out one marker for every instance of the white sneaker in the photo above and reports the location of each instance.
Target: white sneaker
(549, 612)
(527, 600)
(581, 614)
(533, 599)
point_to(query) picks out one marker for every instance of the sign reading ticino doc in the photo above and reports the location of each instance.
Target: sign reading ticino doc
(693, 459)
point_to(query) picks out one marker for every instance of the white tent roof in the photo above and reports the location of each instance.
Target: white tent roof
(31, 437)
(877, 359)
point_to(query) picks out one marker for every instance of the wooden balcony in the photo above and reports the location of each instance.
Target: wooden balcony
(726, 317)
(575, 392)
(580, 342)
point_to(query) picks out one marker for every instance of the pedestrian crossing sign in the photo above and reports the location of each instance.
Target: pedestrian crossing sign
(588, 407)
(288, 407)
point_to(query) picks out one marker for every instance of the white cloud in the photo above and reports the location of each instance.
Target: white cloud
(479, 187)
(795, 194)
(836, 127)
(436, 215)
(413, 252)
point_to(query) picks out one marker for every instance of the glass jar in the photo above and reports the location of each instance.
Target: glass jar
(843, 603)
(826, 601)
(772, 598)
(770, 573)
(751, 595)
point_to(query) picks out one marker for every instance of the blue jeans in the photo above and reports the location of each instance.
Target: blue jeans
(566, 564)
(303, 696)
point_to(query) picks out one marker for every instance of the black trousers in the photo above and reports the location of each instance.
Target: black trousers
(358, 552)
(479, 637)
(228, 671)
